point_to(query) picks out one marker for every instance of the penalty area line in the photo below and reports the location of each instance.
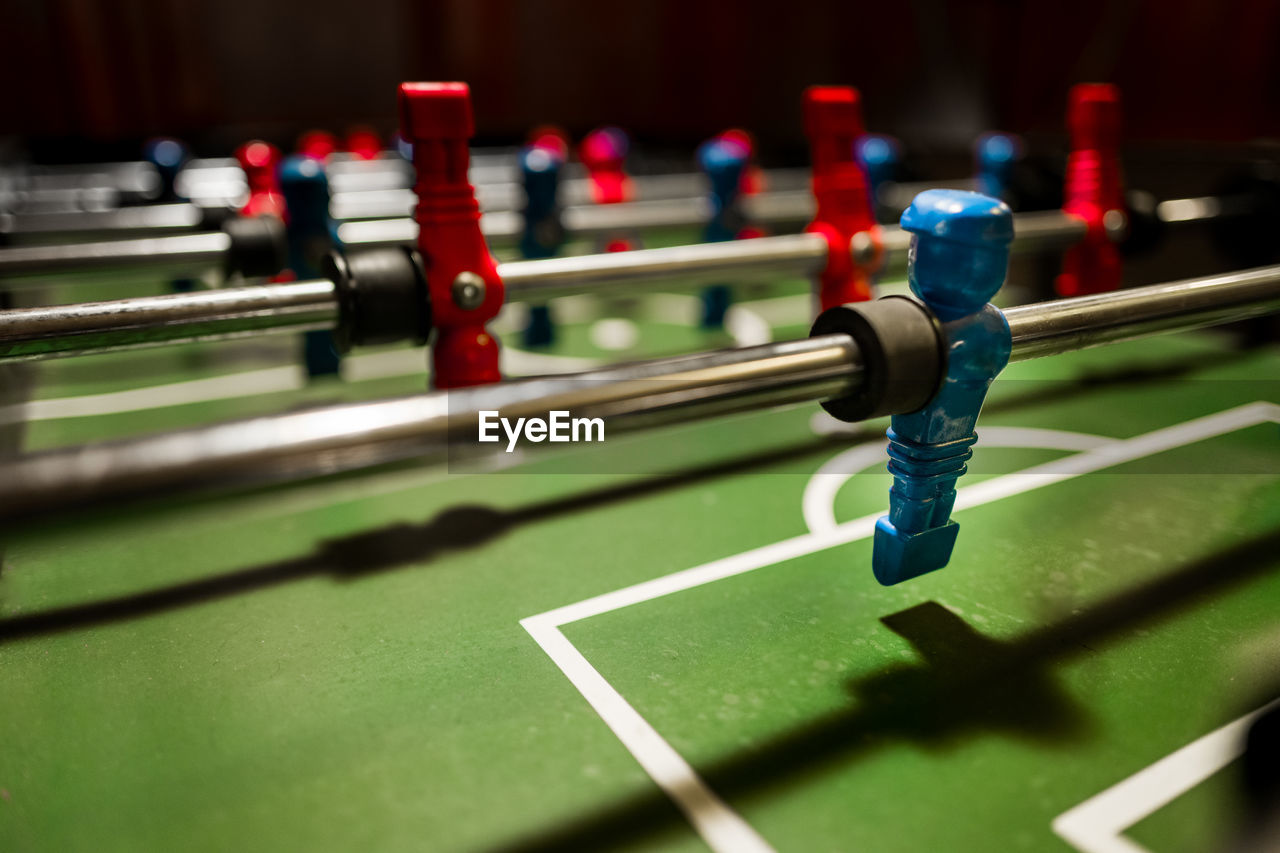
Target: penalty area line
(724, 830)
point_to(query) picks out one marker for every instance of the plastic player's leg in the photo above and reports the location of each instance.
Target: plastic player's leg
(912, 505)
(715, 305)
(944, 501)
(541, 331)
(319, 354)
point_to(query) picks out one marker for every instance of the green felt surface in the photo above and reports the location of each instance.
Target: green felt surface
(341, 664)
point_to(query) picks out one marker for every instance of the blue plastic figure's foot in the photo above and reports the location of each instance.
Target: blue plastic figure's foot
(182, 285)
(319, 354)
(898, 556)
(715, 305)
(541, 331)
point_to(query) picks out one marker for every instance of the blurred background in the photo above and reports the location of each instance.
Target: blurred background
(90, 79)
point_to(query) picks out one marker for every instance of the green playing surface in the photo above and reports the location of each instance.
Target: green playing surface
(365, 662)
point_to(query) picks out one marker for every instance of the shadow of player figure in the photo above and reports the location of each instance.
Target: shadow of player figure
(967, 682)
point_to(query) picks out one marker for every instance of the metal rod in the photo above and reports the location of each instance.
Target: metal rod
(139, 176)
(180, 250)
(384, 191)
(1064, 325)
(89, 327)
(1034, 232)
(32, 333)
(385, 202)
(62, 330)
(764, 257)
(436, 426)
(444, 425)
(139, 218)
(501, 228)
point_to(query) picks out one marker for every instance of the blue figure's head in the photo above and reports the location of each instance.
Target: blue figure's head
(995, 156)
(168, 156)
(959, 251)
(306, 192)
(723, 160)
(879, 156)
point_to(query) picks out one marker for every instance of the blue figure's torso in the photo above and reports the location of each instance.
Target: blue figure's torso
(978, 349)
(724, 173)
(311, 233)
(724, 164)
(543, 233)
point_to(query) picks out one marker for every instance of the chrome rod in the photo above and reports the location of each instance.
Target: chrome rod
(1064, 325)
(89, 327)
(154, 219)
(65, 330)
(1034, 232)
(437, 426)
(177, 251)
(503, 228)
(444, 425)
(31, 333)
(764, 257)
(383, 192)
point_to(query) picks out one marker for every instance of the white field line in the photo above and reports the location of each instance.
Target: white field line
(1095, 826)
(721, 827)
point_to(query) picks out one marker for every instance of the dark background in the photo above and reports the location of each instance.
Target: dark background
(92, 77)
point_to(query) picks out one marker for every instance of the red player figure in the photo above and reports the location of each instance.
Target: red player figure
(1094, 190)
(753, 177)
(551, 137)
(603, 153)
(259, 161)
(317, 144)
(833, 121)
(363, 143)
(462, 279)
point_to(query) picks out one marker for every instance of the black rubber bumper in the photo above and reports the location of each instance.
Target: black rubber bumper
(259, 247)
(383, 297)
(903, 352)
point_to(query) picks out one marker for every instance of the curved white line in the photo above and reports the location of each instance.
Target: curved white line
(818, 504)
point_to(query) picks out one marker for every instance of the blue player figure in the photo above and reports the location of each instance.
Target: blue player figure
(311, 234)
(723, 160)
(540, 165)
(880, 157)
(995, 156)
(168, 156)
(958, 258)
